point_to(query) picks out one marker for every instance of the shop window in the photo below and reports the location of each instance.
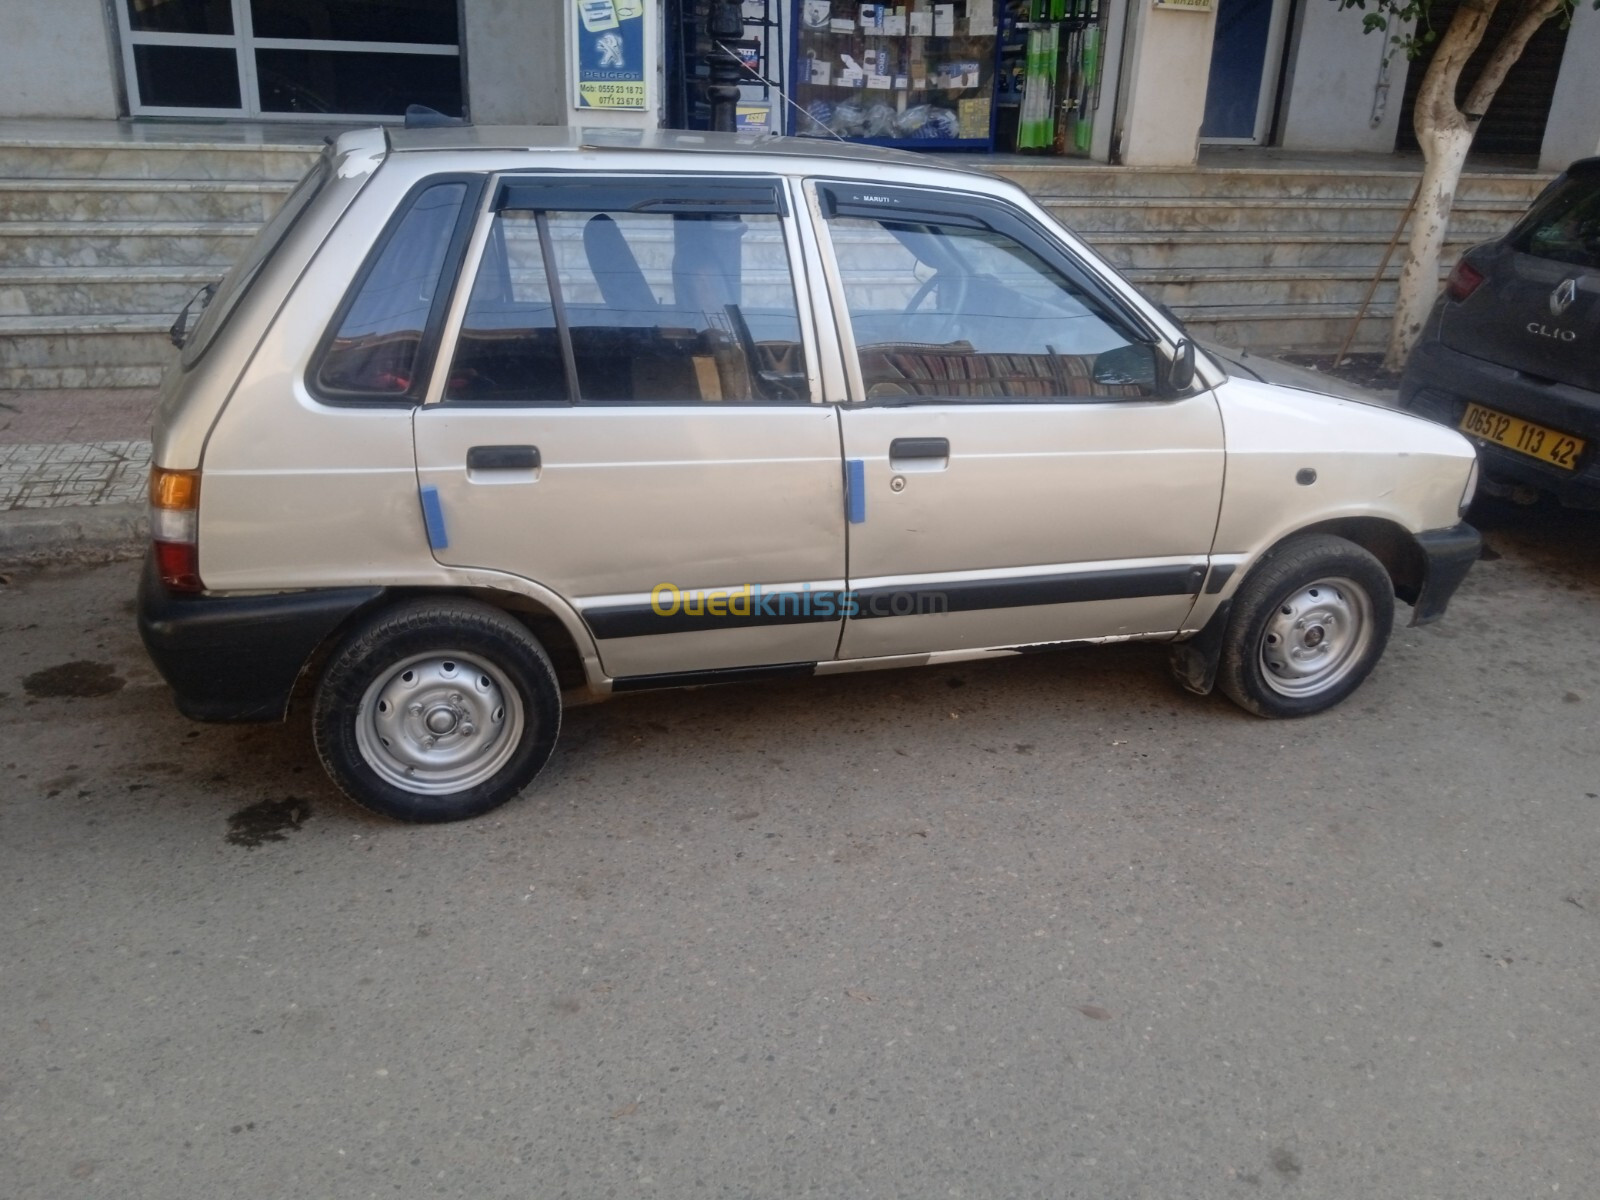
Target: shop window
(187, 76)
(328, 81)
(357, 58)
(181, 16)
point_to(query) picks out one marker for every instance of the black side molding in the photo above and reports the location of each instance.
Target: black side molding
(677, 679)
(1219, 576)
(1027, 591)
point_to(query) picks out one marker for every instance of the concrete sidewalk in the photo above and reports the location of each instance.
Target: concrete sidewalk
(73, 470)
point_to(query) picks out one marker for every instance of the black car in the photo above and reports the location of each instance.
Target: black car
(1511, 351)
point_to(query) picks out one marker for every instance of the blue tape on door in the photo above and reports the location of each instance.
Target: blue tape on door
(433, 517)
(855, 490)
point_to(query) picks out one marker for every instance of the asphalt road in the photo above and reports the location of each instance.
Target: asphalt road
(1046, 927)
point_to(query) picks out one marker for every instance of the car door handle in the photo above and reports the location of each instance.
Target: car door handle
(503, 458)
(919, 454)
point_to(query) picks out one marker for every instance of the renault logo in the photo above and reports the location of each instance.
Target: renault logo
(1561, 299)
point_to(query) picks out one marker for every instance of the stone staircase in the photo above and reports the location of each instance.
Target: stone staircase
(103, 239)
(1265, 257)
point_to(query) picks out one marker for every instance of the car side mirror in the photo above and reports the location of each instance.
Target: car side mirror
(1180, 372)
(1133, 365)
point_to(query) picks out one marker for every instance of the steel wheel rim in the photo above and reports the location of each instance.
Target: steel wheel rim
(439, 722)
(1316, 637)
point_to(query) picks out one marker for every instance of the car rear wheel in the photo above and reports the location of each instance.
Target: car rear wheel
(436, 710)
(1307, 627)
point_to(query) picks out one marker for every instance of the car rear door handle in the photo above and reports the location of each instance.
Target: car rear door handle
(503, 458)
(919, 454)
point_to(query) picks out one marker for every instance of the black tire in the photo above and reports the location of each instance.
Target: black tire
(1307, 627)
(436, 710)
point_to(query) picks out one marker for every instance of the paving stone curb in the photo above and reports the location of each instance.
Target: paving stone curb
(36, 537)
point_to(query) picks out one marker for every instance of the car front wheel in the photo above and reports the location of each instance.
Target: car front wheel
(1307, 627)
(436, 710)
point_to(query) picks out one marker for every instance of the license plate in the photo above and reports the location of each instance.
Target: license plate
(1548, 445)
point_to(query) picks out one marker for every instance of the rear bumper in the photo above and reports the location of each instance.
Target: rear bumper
(236, 658)
(1439, 383)
(1450, 554)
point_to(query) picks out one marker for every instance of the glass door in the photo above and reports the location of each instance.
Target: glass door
(1243, 86)
(290, 59)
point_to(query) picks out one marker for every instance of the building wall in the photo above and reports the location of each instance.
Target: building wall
(56, 60)
(1332, 95)
(516, 61)
(1164, 95)
(1574, 127)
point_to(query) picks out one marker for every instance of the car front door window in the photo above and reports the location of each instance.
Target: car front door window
(946, 311)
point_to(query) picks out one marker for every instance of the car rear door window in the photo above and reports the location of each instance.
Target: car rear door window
(611, 302)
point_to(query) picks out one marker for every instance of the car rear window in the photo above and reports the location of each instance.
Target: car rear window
(1565, 225)
(237, 281)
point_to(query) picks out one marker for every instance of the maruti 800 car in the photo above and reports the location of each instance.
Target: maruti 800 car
(491, 420)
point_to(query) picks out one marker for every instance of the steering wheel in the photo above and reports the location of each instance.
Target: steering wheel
(952, 290)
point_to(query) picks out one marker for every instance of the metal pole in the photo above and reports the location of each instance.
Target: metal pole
(726, 22)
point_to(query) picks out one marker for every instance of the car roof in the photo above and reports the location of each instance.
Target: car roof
(551, 139)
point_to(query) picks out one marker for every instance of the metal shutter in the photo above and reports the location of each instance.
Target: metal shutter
(1516, 119)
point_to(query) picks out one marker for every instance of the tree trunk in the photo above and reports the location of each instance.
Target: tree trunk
(1445, 135)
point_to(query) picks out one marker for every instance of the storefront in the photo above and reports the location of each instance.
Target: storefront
(1138, 82)
(1021, 75)
(979, 75)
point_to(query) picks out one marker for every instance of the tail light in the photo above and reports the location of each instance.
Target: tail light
(175, 527)
(1463, 281)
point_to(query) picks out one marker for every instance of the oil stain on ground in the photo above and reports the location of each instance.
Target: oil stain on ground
(267, 821)
(75, 680)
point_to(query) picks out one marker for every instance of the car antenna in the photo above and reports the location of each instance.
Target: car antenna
(782, 95)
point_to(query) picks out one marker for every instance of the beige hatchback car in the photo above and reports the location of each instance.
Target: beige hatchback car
(489, 420)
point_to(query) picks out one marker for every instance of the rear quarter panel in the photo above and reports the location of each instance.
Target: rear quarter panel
(296, 493)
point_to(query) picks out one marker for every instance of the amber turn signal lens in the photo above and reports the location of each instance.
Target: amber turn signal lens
(174, 489)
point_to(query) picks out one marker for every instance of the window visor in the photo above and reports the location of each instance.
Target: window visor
(657, 195)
